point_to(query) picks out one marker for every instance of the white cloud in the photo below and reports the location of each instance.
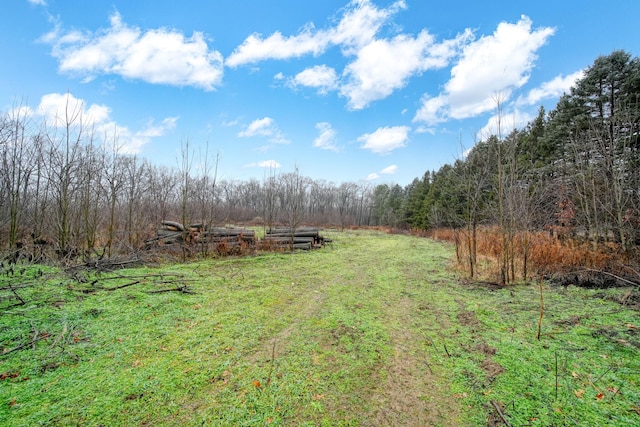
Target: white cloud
(386, 139)
(359, 24)
(38, 2)
(154, 130)
(158, 56)
(379, 66)
(493, 66)
(383, 66)
(229, 123)
(551, 89)
(320, 77)
(425, 129)
(389, 170)
(327, 138)
(269, 164)
(58, 110)
(259, 127)
(503, 124)
(267, 127)
(255, 48)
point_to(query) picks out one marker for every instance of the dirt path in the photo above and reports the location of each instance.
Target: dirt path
(413, 394)
(406, 389)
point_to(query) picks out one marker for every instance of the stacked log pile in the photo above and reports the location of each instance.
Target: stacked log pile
(289, 238)
(170, 232)
(228, 240)
(225, 239)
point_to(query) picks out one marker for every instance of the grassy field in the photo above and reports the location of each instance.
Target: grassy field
(375, 330)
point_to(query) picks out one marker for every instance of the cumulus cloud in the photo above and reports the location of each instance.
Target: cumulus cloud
(372, 176)
(380, 66)
(327, 138)
(276, 46)
(383, 66)
(265, 127)
(359, 24)
(385, 139)
(551, 89)
(320, 77)
(492, 66)
(158, 56)
(58, 110)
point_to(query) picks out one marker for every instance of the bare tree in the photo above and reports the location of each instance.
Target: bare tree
(90, 197)
(294, 190)
(65, 136)
(17, 166)
(270, 208)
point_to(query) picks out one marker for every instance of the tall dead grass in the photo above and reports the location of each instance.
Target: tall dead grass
(535, 254)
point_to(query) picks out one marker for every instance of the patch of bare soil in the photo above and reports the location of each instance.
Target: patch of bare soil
(485, 349)
(491, 368)
(467, 318)
(411, 394)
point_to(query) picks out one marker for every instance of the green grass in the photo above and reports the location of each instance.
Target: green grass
(374, 330)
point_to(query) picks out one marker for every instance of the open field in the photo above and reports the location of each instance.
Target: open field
(375, 330)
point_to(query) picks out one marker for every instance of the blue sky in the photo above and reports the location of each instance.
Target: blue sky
(362, 91)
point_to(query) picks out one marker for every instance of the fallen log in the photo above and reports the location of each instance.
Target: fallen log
(173, 224)
(296, 234)
(288, 229)
(288, 239)
(163, 234)
(303, 246)
(230, 232)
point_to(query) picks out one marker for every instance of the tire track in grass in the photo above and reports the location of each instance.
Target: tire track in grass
(412, 394)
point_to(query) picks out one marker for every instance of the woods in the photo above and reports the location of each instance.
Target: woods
(569, 178)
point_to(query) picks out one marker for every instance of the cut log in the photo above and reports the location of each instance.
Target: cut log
(217, 231)
(173, 224)
(296, 234)
(304, 246)
(289, 230)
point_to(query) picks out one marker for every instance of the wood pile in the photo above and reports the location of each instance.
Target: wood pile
(173, 232)
(288, 238)
(227, 240)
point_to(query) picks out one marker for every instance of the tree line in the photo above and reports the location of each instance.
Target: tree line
(573, 172)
